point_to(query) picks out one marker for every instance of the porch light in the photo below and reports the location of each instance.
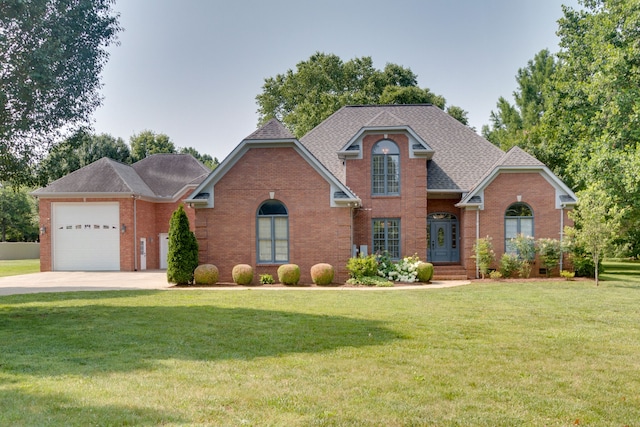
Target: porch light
(123, 228)
(43, 230)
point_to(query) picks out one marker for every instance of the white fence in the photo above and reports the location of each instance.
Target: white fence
(19, 250)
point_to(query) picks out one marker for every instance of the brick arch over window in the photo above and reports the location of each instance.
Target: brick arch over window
(272, 226)
(385, 168)
(518, 219)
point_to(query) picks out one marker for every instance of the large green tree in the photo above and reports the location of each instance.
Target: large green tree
(319, 86)
(147, 143)
(51, 55)
(18, 217)
(78, 151)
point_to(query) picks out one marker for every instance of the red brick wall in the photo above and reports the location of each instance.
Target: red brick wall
(317, 232)
(535, 191)
(410, 206)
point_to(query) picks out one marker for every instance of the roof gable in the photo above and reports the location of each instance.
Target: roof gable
(168, 174)
(271, 135)
(460, 156)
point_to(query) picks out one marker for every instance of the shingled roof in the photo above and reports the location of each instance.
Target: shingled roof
(461, 157)
(158, 176)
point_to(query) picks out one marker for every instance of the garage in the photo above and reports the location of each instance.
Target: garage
(86, 236)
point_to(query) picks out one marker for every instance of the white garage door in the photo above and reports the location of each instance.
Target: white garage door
(86, 236)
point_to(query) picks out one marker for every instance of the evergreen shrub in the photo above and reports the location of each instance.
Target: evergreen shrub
(242, 274)
(322, 274)
(289, 274)
(182, 258)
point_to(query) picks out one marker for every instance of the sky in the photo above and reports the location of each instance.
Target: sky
(192, 69)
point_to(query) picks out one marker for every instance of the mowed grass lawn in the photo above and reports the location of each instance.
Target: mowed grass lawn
(21, 266)
(488, 354)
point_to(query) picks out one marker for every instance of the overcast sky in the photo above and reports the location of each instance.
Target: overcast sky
(192, 68)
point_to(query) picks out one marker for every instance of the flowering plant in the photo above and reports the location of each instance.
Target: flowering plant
(405, 270)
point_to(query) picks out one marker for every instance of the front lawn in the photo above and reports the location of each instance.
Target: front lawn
(499, 354)
(17, 267)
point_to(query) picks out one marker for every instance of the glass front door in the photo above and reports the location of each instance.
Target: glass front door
(443, 238)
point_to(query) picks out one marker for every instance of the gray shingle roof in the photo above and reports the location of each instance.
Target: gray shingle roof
(157, 176)
(272, 130)
(461, 156)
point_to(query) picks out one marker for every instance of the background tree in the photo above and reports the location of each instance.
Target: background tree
(51, 56)
(303, 98)
(18, 217)
(182, 258)
(78, 151)
(597, 223)
(147, 143)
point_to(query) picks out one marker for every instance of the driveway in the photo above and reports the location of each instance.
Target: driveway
(63, 281)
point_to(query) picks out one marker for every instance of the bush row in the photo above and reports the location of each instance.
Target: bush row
(242, 274)
(381, 270)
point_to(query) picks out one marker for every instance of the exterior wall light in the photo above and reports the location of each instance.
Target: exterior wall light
(43, 230)
(123, 228)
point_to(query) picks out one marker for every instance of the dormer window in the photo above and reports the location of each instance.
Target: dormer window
(385, 168)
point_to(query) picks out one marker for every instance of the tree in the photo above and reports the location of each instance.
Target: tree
(78, 151)
(51, 55)
(147, 143)
(182, 258)
(323, 84)
(18, 220)
(597, 223)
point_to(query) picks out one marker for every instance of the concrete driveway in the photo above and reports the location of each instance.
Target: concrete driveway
(68, 281)
(65, 281)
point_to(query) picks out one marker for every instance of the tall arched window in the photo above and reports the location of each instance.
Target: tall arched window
(518, 219)
(385, 168)
(273, 232)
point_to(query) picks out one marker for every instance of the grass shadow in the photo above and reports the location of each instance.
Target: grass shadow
(91, 338)
(46, 409)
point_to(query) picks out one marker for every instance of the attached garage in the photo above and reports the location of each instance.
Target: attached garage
(86, 236)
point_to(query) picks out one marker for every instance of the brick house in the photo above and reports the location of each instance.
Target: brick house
(405, 179)
(113, 216)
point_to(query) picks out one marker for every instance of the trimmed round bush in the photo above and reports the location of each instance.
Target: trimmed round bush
(425, 272)
(206, 274)
(289, 274)
(322, 274)
(242, 274)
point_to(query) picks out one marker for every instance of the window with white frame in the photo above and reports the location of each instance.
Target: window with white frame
(385, 168)
(273, 232)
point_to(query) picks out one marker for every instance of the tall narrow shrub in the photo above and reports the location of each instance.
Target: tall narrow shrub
(183, 249)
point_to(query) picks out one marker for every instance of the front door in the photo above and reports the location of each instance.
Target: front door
(443, 238)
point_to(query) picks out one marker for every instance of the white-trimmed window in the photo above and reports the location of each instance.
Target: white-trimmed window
(273, 232)
(518, 219)
(386, 236)
(385, 168)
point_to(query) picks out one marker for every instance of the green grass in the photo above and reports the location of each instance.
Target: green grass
(16, 267)
(554, 353)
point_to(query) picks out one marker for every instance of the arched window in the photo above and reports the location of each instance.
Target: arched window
(518, 219)
(273, 232)
(385, 168)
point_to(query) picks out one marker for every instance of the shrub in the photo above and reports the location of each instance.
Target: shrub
(405, 270)
(370, 281)
(266, 279)
(508, 265)
(526, 254)
(362, 266)
(424, 272)
(322, 274)
(568, 275)
(242, 274)
(495, 275)
(385, 265)
(484, 255)
(549, 251)
(206, 274)
(289, 274)
(182, 258)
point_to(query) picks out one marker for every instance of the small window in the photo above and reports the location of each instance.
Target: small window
(518, 219)
(385, 168)
(386, 237)
(273, 232)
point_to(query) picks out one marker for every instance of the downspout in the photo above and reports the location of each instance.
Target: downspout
(477, 238)
(561, 234)
(135, 234)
